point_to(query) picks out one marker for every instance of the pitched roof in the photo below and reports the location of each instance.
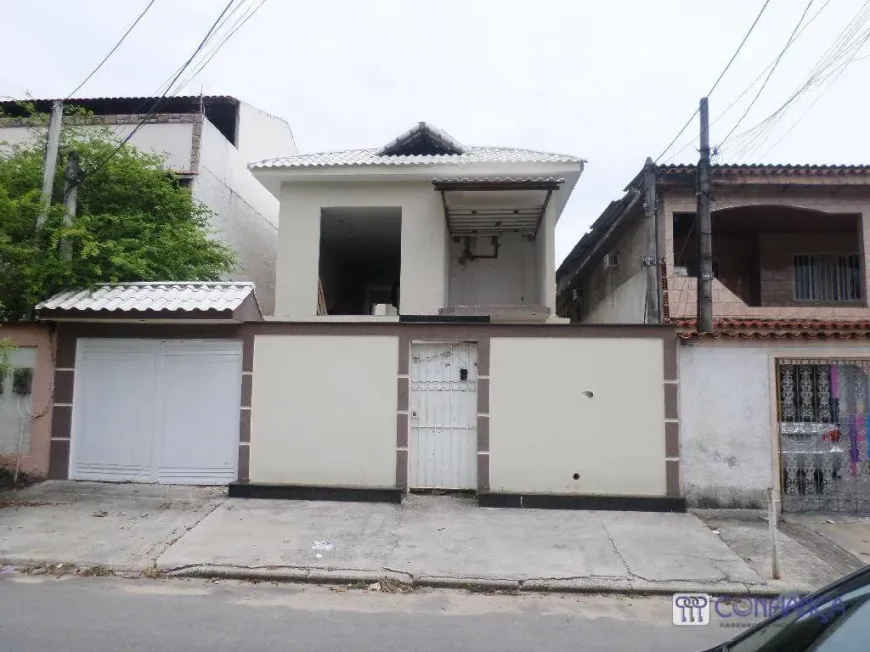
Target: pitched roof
(752, 328)
(422, 145)
(213, 298)
(768, 169)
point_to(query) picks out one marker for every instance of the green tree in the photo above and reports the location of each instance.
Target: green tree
(134, 222)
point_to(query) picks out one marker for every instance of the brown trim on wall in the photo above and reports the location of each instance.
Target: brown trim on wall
(63, 385)
(482, 433)
(58, 459)
(672, 439)
(670, 357)
(482, 472)
(244, 463)
(483, 395)
(672, 478)
(401, 430)
(402, 394)
(247, 389)
(61, 421)
(404, 354)
(671, 401)
(244, 426)
(445, 332)
(402, 469)
(483, 356)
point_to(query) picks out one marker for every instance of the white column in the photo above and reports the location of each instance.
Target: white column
(298, 257)
(423, 279)
(546, 258)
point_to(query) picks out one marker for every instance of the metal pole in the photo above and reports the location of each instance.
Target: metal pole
(772, 525)
(51, 149)
(705, 245)
(651, 260)
(70, 195)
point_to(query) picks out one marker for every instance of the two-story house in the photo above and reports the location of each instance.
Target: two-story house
(776, 396)
(415, 344)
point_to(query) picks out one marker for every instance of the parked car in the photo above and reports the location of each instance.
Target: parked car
(834, 619)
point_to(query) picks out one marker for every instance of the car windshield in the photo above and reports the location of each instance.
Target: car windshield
(837, 619)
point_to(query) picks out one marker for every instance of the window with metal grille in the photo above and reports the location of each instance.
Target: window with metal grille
(827, 277)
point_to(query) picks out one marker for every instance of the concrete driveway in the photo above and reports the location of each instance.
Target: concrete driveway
(124, 526)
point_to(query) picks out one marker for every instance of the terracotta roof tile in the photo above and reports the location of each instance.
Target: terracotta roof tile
(753, 328)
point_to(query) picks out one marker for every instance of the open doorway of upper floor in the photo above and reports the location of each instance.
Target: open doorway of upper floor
(360, 260)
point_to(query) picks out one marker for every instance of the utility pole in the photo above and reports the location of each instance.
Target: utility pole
(50, 165)
(651, 259)
(70, 195)
(705, 243)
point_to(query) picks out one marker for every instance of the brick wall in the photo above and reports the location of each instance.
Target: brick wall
(777, 261)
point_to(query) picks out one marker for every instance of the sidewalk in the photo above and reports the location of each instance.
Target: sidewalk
(427, 541)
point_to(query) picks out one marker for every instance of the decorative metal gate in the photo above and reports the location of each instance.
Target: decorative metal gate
(824, 421)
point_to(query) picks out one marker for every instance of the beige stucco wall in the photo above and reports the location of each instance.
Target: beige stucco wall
(543, 429)
(171, 139)
(423, 279)
(426, 256)
(323, 410)
(37, 337)
(512, 278)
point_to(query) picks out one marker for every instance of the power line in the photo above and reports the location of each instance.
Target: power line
(721, 75)
(751, 85)
(235, 27)
(112, 51)
(769, 74)
(167, 82)
(162, 99)
(831, 63)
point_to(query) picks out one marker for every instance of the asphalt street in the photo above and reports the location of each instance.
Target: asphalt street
(106, 614)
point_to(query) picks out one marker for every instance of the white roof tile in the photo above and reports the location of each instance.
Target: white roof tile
(371, 157)
(131, 297)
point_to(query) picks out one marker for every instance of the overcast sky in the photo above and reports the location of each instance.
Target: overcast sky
(611, 82)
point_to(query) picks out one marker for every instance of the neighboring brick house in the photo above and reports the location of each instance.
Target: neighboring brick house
(208, 141)
(777, 395)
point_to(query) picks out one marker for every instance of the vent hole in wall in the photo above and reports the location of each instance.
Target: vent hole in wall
(576, 476)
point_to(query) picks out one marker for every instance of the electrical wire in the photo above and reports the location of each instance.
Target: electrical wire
(160, 100)
(832, 62)
(164, 86)
(769, 74)
(750, 86)
(721, 75)
(235, 27)
(112, 51)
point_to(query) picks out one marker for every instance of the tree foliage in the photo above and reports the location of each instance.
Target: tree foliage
(133, 223)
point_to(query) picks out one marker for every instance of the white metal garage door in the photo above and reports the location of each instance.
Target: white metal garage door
(443, 410)
(162, 411)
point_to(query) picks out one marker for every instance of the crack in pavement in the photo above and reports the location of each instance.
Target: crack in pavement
(179, 534)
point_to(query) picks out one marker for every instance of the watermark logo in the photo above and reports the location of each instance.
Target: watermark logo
(696, 609)
(692, 609)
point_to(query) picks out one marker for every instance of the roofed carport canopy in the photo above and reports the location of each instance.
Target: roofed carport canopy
(493, 206)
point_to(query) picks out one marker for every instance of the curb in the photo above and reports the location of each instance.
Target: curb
(597, 585)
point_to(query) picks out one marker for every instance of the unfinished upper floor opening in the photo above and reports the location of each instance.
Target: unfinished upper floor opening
(776, 256)
(360, 260)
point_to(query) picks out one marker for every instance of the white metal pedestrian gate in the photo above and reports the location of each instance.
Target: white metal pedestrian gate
(149, 410)
(443, 415)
